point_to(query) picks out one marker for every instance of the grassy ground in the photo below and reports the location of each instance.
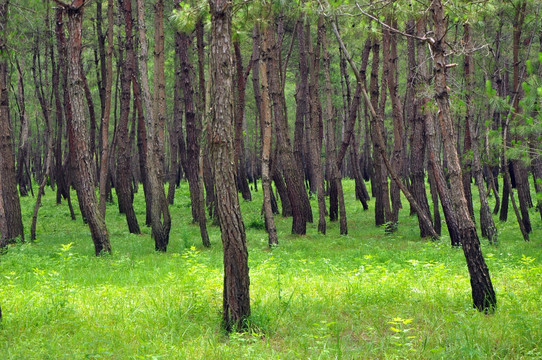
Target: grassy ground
(363, 296)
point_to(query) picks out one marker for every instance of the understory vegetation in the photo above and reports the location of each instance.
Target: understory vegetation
(362, 296)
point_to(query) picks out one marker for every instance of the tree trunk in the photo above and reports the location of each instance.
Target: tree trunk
(299, 200)
(123, 188)
(315, 133)
(397, 112)
(487, 224)
(415, 116)
(483, 295)
(236, 304)
(104, 161)
(335, 175)
(382, 203)
(265, 119)
(160, 218)
(11, 225)
(193, 131)
(159, 82)
(240, 158)
(78, 135)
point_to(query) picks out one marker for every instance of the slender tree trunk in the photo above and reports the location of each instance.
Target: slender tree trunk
(265, 119)
(104, 161)
(397, 111)
(299, 200)
(124, 190)
(240, 158)
(160, 218)
(236, 304)
(11, 225)
(483, 295)
(78, 135)
(315, 133)
(193, 131)
(487, 224)
(48, 134)
(330, 147)
(415, 116)
(159, 82)
(382, 202)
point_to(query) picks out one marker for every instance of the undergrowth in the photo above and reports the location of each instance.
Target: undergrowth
(368, 295)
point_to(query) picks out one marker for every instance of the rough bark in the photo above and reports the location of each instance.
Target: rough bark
(397, 114)
(417, 143)
(123, 184)
(78, 133)
(236, 301)
(160, 218)
(193, 133)
(330, 146)
(106, 114)
(11, 225)
(266, 125)
(299, 201)
(315, 124)
(240, 158)
(487, 225)
(484, 298)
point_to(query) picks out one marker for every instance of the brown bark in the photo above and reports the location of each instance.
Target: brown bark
(266, 125)
(487, 225)
(236, 303)
(330, 146)
(203, 113)
(240, 158)
(379, 139)
(106, 114)
(315, 132)
(193, 131)
(397, 114)
(48, 134)
(414, 114)
(78, 135)
(484, 298)
(123, 188)
(297, 195)
(159, 82)
(23, 161)
(380, 182)
(160, 218)
(11, 225)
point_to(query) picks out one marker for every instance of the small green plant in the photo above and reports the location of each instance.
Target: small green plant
(402, 333)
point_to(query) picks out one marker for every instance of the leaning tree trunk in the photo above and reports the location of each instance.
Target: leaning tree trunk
(483, 295)
(160, 218)
(78, 133)
(11, 225)
(236, 304)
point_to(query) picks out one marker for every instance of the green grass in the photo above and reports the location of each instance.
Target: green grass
(363, 296)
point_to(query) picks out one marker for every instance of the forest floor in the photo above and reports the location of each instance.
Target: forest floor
(367, 295)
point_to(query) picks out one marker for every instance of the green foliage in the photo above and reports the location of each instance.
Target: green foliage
(367, 295)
